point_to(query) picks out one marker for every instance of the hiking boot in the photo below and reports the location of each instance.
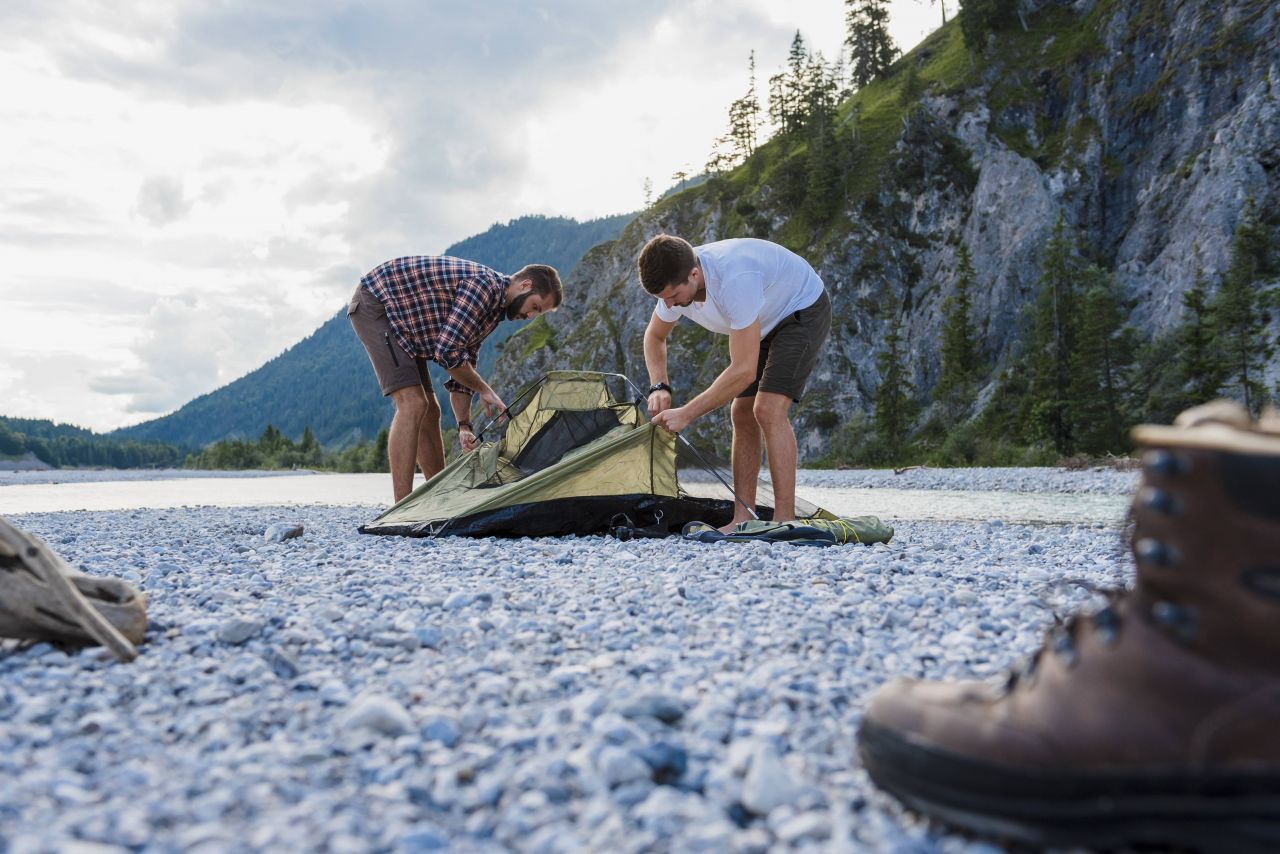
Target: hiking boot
(1155, 720)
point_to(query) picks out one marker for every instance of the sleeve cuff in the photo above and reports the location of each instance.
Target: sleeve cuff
(455, 386)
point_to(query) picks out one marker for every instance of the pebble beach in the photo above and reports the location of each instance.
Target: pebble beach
(342, 692)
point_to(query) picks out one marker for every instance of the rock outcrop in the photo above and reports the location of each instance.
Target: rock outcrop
(1146, 124)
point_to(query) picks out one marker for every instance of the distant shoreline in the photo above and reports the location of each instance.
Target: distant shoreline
(1099, 480)
(94, 475)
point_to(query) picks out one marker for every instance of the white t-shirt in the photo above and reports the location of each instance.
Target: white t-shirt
(748, 279)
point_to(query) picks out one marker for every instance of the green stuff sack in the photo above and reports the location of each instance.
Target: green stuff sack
(792, 533)
(854, 529)
(797, 533)
(806, 532)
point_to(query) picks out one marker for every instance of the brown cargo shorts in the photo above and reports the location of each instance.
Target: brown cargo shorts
(394, 368)
(790, 350)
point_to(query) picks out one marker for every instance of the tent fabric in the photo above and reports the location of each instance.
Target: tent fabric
(576, 456)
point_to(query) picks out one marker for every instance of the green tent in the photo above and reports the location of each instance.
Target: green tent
(577, 456)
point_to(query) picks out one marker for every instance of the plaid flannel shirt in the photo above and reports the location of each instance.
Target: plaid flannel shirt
(440, 308)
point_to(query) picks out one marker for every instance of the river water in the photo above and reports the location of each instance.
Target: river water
(374, 490)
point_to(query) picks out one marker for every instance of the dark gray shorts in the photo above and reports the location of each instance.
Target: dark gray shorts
(790, 350)
(394, 368)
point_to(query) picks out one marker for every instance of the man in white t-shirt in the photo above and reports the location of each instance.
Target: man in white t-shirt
(777, 314)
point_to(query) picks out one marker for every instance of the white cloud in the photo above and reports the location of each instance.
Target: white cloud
(161, 200)
(191, 188)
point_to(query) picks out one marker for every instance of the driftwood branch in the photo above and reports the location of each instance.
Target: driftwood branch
(42, 597)
(906, 469)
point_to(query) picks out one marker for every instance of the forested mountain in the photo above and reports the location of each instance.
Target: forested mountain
(325, 382)
(1049, 220)
(66, 445)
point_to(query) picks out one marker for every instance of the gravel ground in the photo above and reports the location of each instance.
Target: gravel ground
(1098, 481)
(341, 692)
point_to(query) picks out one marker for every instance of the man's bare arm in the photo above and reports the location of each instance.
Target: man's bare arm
(465, 373)
(744, 358)
(461, 405)
(655, 360)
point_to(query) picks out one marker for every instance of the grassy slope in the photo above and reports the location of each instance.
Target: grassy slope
(871, 120)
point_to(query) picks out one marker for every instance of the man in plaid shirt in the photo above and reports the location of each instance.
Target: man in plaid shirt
(412, 309)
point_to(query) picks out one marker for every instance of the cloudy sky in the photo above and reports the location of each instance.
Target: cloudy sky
(192, 187)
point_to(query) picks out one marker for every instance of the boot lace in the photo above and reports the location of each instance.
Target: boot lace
(1061, 639)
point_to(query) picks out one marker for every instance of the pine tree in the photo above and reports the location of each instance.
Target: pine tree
(377, 460)
(719, 159)
(1156, 389)
(871, 49)
(1239, 309)
(1201, 370)
(780, 105)
(1100, 365)
(797, 59)
(744, 117)
(912, 85)
(270, 440)
(980, 17)
(893, 396)
(824, 185)
(11, 443)
(820, 90)
(1046, 414)
(786, 89)
(959, 370)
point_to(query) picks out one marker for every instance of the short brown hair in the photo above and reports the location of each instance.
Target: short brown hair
(665, 260)
(546, 281)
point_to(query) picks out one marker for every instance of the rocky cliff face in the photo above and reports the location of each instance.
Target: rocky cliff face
(1147, 124)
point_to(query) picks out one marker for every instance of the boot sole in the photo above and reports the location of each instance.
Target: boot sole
(1209, 812)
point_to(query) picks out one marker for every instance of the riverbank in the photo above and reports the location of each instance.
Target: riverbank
(99, 475)
(1098, 480)
(339, 691)
(954, 495)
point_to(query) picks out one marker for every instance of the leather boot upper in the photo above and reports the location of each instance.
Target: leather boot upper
(1182, 672)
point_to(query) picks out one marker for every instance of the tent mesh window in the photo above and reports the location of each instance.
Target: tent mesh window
(564, 432)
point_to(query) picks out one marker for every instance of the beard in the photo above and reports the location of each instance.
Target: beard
(516, 307)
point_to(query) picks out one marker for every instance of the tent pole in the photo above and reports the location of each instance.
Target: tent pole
(506, 413)
(706, 465)
(715, 472)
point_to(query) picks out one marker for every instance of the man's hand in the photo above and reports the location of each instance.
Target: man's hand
(659, 401)
(493, 404)
(468, 439)
(673, 420)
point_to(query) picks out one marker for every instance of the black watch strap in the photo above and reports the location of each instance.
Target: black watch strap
(660, 387)
(464, 424)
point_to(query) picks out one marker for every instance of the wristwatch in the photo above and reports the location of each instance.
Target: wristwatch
(660, 387)
(465, 425)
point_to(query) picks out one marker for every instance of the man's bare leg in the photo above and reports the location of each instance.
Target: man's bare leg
(745, 458)
(772, 412)
(431, 440)
(402, 439)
